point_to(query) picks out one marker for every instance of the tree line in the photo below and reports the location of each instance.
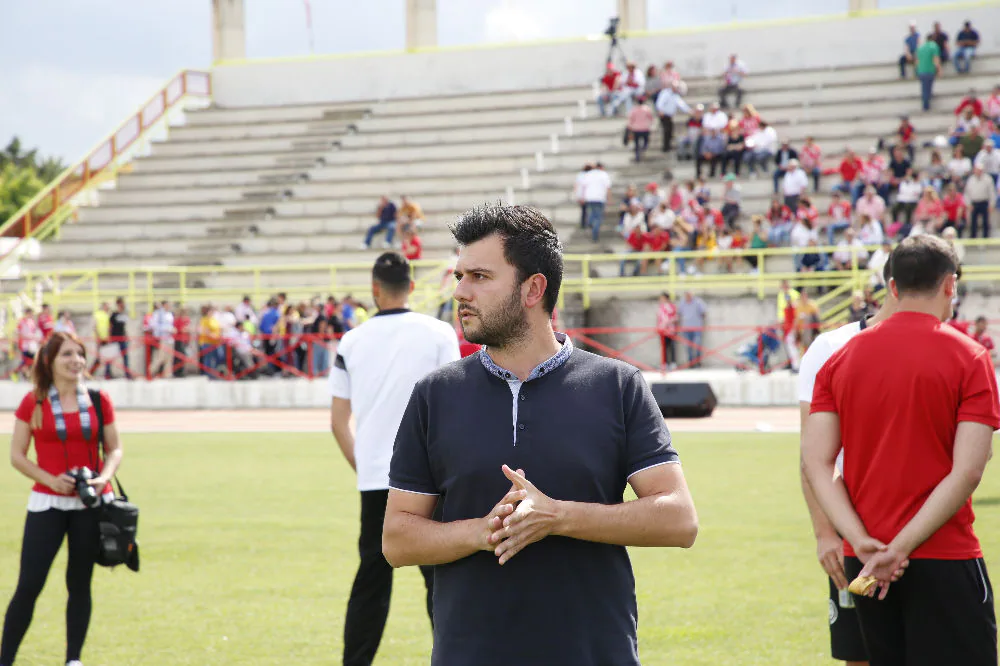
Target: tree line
(22, 174)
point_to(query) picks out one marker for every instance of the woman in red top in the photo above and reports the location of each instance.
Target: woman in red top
(954, 207)
(413, 249)
(58, 415)
(666, 327)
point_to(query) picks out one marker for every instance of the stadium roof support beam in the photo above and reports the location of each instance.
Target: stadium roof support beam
(421, 24)
(229, 35)
(633, 15)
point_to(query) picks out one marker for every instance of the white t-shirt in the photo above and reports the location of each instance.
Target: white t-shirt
(715, 120)
(909, 191)
(794, 183)
(801, 235)
(815, 358)
(376, 368)
(578, 184)
(595, 185)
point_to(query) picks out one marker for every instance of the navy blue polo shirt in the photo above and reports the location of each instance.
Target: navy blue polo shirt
(388, 213)
(583, 424)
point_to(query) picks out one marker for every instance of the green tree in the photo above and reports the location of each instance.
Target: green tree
(17, 186)
(22, 174)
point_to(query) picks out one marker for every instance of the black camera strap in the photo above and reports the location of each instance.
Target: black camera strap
(95, 397)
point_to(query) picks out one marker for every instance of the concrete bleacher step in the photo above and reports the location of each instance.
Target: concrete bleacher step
(215, 115)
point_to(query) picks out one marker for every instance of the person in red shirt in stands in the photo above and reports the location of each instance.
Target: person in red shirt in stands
(849, 170)
(811, 158)
(913, 404)
(955, 210)
(905, 135)
(610, 85)
(46, 322)
(59, 415)
(982, 337)
(182, 322)
(970, 101)
(413, 248)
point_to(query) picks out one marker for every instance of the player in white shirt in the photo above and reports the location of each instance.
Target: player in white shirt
(376, 368)
(845, 633)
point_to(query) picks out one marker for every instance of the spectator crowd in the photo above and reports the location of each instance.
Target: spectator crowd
(885, 193)
(278, 339)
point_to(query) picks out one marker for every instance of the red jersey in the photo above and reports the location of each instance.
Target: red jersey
(953, 206)
(610, 80)
(807, 213)
(717, 218)
(749, 124)
(985, 340)
(52, 456)
(840, 210)
(849, 169)
(46, 324)
(810, 157)
(969, 103)
(905, 132)
(666, 319)
(28, 335)
(788, 325)
(782, 215)
(413, 249)
(183, 325)
(960, 325)
(897, 424)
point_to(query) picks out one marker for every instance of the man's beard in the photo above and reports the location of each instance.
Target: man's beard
(501, 327)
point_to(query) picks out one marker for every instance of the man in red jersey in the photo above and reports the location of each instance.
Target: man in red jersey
(916, 439)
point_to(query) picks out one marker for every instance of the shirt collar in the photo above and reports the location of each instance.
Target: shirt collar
(392, 311)
(543, 368)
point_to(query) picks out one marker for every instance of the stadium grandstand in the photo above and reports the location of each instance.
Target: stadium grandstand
(724, 194)
(254, 179)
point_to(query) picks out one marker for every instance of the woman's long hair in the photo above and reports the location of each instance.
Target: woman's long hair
(41, 372)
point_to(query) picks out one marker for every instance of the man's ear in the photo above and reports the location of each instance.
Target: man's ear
(533, 290)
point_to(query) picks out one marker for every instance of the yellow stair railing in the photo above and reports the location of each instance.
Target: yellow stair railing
(42, 216)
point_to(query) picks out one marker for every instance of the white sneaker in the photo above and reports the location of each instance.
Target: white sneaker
(75, 662)
(386, 245)
(362, 246)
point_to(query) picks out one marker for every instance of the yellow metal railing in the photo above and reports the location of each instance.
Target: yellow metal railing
(585, 275)
(53, 205)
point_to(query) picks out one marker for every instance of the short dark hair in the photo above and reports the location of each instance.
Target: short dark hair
(530, 243)
(980, 319)
(392, 272)
(921, 263)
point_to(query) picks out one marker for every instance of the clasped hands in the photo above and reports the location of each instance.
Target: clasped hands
(882, 561)
(524, 515)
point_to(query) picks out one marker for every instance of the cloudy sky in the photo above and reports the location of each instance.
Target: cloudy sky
(75, 69)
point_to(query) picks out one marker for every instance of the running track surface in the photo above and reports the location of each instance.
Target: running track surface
(724, 419)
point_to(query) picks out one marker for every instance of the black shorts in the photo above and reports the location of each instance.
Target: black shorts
(939, 612)
(846, 643)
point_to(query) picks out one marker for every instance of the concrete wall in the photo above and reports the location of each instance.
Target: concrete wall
(795, 45)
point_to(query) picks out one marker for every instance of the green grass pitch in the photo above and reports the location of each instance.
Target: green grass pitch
(249, 550)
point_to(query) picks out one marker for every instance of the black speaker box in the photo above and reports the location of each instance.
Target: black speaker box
(684, 400)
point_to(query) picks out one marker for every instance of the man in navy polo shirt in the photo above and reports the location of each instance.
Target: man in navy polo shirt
(531, 564)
